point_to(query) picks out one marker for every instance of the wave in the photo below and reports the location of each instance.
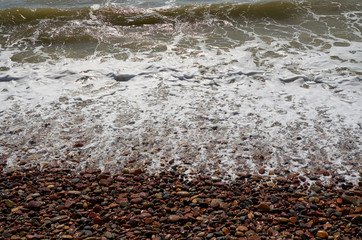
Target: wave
(278, 10)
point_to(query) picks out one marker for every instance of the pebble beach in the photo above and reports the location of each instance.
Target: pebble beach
(168, 120)
(57, 203)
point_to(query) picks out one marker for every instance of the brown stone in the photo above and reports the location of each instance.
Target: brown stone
(106, 182)
(264, 207)
(322, 234)
(66, 237)
(74, 192)
(136, 200)
(59, 218)
(242, 228)
(145, 215)
(113, 205)
(351, 199)
(183, 194)
(215, 203)
(137, 171)
(97, 208)
(78, 144)
(92, 215)
(149, 220)
(68, 203)
(226, 231)
(293, 220)
(59, 207)
(97, 220)
(173, 218)
(357, 220)
(282, 220)
(123, 202)
(254, 237)
(34, 205)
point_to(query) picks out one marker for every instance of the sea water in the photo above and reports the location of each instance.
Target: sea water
(203, 87)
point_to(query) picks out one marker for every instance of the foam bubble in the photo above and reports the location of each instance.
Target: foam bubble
(201, 97)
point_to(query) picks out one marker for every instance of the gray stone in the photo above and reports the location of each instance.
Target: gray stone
(6, 234)
(108, 235)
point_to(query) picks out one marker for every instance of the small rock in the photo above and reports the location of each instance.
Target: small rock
(92, 215)
(78, 144)
(183, 194)
(87, 233)
(34, 205)
(254, 237)
(357, 220)
(293, 220)
(336, 235)
(350, 199)
(137, 171)
(58, 218)
(68, 204)
(145, 215)
(271, 184)
(76, 180)
(59, 207)
(9, 203)
(74, 192)
(302, 178)
(274, 199)
(97, 208)
(209, 236)
(215, 203)
(113, 205)
(322, 234)
(136, 200)
(149, 220)
(173, 218)
(66, 237)
(282, 220)
(242, 229)
(224, 205)
(106, 182)
(264, 207)
(123, 202)
(316, 188)
(6, 234)
(226, 230)
(108, 235)
(97, 220)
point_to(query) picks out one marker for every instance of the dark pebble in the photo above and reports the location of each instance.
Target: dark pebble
(59, 204)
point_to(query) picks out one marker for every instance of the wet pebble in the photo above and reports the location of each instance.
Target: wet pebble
(135, 205)
(322, 234)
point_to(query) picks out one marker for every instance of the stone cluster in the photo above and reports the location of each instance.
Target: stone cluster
(60, 204)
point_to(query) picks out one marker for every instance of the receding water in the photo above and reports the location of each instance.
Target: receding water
(215, 87)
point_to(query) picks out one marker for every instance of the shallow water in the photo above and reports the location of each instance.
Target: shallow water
(217, 87)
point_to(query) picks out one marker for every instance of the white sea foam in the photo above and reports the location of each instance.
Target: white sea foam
(216, 98)
(209, 113)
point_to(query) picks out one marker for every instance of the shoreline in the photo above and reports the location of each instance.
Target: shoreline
(57, 203)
